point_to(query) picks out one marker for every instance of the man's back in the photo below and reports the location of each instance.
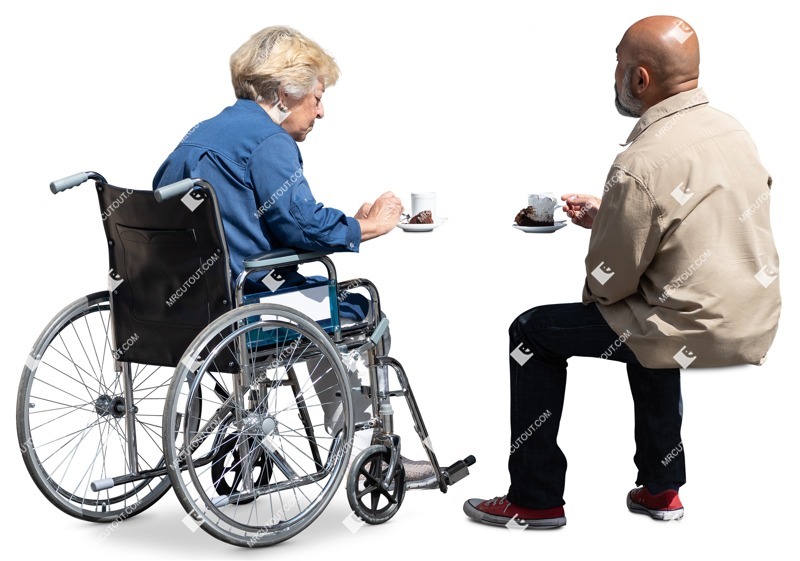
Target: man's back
(683, 234)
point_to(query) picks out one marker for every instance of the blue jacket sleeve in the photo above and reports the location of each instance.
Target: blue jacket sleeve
(288, 208)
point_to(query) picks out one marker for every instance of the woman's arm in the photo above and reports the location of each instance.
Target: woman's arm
(287, 206)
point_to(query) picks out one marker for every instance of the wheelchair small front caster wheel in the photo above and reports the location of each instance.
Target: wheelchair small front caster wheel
(371, 502)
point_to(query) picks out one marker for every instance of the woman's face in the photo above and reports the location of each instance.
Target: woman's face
(304, 112)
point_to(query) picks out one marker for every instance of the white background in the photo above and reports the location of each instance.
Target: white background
(482, 103)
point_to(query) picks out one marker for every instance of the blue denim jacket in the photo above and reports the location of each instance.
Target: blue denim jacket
(256, 170)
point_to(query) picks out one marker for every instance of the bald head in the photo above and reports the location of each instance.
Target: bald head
(660, 56)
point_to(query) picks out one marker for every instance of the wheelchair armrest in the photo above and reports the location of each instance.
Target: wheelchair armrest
(281, 257)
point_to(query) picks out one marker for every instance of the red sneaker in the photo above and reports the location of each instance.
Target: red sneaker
(500, 512)
(663, 506)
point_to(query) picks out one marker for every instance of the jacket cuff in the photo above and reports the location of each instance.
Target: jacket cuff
(353, 240)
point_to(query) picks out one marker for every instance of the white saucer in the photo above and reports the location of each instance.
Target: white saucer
(421, 227)
(541, 229)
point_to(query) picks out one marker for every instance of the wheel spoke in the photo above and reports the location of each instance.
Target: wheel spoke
(259, 478)
(72, 415)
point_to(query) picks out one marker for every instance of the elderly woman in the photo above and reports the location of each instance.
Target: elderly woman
(249, 154)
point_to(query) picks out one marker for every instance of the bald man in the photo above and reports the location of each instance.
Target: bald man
(681, 272)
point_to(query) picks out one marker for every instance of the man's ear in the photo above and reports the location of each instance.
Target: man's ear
(641, 79)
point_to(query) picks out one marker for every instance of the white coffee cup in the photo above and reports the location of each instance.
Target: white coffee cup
(544, 205)
(535, 198)
(423, 201)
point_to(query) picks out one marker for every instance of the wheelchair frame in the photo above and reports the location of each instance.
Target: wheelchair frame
(224, 445)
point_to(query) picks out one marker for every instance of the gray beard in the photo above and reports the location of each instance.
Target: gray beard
(627, 105)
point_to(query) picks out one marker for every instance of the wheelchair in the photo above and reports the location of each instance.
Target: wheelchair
(176, 377)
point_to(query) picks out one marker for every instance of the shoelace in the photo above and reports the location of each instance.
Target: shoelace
(497, 501)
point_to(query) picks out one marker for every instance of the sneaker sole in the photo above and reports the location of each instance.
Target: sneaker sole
(484, 518)
(664, 515)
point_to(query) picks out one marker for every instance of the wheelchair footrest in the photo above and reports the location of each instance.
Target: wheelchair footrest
(458, 471)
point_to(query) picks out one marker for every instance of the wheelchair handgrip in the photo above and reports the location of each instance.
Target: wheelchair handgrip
(68, 182)
(174, 189)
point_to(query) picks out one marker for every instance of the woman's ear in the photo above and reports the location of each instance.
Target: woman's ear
(282, 110)
(282, 98)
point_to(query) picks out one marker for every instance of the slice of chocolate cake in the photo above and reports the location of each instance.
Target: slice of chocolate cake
(527, 217)
(423, 217)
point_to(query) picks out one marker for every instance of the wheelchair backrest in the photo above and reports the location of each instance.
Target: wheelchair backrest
(169, 270)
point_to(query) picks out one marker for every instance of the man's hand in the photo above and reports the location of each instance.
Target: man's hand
(379, 217)
(581, 208)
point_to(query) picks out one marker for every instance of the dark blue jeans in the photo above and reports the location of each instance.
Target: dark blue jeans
(541, 341)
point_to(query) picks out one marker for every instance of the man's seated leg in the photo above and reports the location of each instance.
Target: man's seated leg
(541, 341)
(659, 458)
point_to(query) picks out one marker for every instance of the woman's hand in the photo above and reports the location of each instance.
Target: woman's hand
(363, 212)
(581, 208)
(380, 217)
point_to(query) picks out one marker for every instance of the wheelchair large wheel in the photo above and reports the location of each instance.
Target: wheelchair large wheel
(260, 425)
(73, 418)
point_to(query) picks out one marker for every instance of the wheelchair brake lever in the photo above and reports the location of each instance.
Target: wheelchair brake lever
(376, 336)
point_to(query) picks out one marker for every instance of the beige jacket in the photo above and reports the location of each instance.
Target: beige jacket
(681, 259)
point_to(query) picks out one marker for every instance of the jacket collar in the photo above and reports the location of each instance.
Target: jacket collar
(676, 104)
